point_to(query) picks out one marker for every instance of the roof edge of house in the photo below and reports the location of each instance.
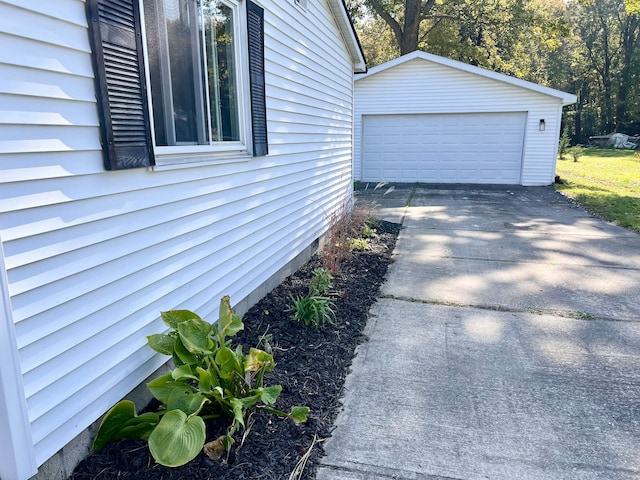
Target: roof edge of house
(567, 98)
(349, 34)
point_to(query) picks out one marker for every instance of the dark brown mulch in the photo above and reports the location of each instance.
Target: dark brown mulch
(311, 367)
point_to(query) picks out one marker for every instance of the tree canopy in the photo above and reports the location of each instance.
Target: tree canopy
(587, 47)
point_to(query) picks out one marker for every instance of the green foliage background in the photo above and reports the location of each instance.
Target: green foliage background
(587, 47)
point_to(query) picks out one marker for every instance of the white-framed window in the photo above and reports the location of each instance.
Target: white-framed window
(178, 80)
(197, 75)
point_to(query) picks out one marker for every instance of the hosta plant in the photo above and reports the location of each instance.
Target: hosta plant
(210, 379)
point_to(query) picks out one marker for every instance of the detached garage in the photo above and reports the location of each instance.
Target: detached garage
(424, 118)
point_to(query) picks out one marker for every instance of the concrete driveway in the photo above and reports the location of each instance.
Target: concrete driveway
(505, 345)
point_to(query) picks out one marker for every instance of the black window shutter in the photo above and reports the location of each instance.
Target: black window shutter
(118, 63)
(255, 28)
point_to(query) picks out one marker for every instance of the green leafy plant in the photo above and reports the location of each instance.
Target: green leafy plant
(316, 308)
(369, 229)
(313, 310)
(321, 281)
(210, 380)
(576, 152)
(563, 144)
(359, 244)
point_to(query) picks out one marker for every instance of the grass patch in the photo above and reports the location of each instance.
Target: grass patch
(605, 182)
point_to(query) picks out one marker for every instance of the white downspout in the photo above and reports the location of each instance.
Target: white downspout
(16, 444)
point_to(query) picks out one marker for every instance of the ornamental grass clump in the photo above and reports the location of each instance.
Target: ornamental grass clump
(347, 222)
(211, 380)
(316, 308)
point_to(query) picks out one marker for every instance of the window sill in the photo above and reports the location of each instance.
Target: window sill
(185, 160)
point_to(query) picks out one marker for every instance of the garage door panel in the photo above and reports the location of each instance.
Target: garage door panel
(456, 148)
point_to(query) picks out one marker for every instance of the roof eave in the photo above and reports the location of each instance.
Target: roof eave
(349, 35)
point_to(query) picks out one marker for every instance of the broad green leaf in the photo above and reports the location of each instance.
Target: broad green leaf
(299, 414)
(177, 439)
(228, 323)
(186, 400)
(194, 334)
(162, 386)
(238, 411)
(114, 420)
(162, 343)
(206, 381)
(141, 431)
(183, 372)
(149, 417)
(256, 359)
(270, 394)
(228, 362)
(183, 354)
(248, 402)
(173, 318)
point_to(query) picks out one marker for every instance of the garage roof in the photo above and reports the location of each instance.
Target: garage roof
(567, 98)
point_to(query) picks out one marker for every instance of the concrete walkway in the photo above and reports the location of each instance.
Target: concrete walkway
(505, 345)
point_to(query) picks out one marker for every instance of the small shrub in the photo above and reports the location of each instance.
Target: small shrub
(321, 281)
(210, 380)
(576, 153)
(563, 144)
(313, 310)
(368, 230)
(359, 244)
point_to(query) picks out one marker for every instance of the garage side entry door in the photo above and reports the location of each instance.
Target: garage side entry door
(443, 148)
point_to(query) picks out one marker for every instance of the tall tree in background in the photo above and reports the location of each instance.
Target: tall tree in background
(633, 7)
(605, 52)
(404, 18)
(588, 47)
(496, 34)
(508, 36)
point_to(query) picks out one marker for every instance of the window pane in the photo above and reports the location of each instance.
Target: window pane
(223, 94)
(157, 56)
(182, 38)
(191, 52)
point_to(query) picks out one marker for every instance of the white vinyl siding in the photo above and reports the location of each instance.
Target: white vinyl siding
(419, 86)
(93, 257)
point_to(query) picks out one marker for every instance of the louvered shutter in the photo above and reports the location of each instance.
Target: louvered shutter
(255, 28)
(116, 41)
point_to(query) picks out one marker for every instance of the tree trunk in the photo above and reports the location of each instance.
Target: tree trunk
(577, 118)
(629, 43)
(411, 31)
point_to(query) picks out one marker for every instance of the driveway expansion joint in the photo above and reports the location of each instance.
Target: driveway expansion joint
(533, 262)
(501, 308)
(365, 473)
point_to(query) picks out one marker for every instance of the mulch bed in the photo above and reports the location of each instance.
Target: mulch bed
(312, 365)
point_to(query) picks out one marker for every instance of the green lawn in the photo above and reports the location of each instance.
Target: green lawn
(606, 183)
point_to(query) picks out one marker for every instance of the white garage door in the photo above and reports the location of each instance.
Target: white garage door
(452, 148)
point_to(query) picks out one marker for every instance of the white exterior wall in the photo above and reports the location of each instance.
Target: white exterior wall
(93, 257)
(419, 86)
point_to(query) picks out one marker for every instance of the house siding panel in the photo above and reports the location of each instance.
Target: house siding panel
(419, 87)
(92, 257)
